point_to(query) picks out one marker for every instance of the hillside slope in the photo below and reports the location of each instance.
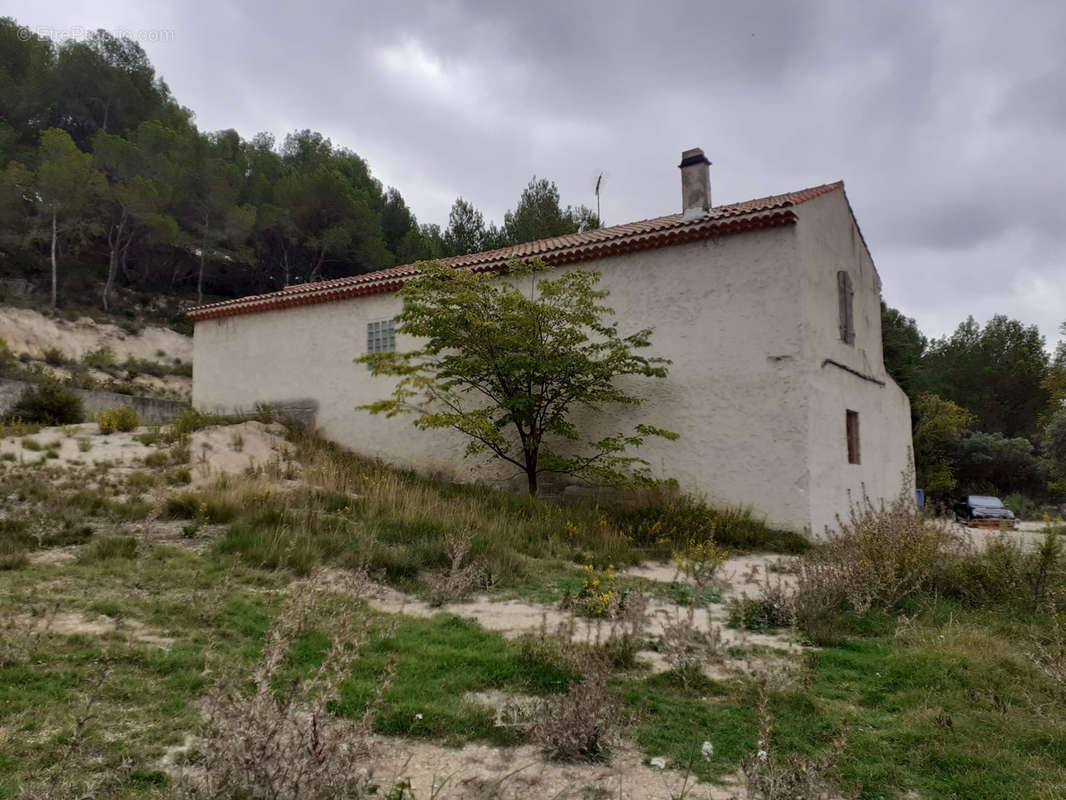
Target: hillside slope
(151, 360)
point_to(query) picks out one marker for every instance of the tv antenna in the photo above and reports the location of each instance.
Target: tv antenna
(599, 181)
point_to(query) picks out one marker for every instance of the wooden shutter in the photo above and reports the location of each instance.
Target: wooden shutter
(845, 300)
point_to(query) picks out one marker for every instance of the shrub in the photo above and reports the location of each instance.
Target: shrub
(771, 610)
(189, 421)
(47, 403)
(13, 561)
(1049, 652)
(53, 356)
(599, 591)
(681, 521)
(111, 548)
(700, 561)
(118, 418)
(1022, 506)
(102, 357)
(880, 556)
(215, 508)
(462, 576)
(1006, 572)
(583, 724)
(7, 358)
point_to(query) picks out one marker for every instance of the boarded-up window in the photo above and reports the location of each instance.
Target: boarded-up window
(381, 337)
(851, 422)
(845, 298)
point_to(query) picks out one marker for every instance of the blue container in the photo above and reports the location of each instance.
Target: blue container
(920, 497)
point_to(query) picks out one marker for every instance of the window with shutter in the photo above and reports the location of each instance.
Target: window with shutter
(845, 297)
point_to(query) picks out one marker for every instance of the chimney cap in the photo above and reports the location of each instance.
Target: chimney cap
(693, 156)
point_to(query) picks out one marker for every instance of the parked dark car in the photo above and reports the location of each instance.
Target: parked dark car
(978, 506)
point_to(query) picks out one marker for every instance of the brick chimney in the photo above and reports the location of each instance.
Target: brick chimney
(695, 183)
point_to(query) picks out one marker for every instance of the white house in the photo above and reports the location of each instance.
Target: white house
(768, 309)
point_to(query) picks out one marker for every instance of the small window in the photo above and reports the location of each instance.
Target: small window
(381, 337)
(845, 298)
(851, 422)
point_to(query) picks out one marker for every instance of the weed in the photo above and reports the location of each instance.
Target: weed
(583, 724)
(84, 445)
(1005, 572)
(687, 646)
(700, 560)
(53, 356)
(599, 591)
(118, 418)
(774, 608)
(109, 549)
(32, 445)
(460, 579)
(663, 524)
(13, 561)
(217, 506)
(279, 740)
(769, 776)
(102, 358)
(880, 556)
(1049, 651)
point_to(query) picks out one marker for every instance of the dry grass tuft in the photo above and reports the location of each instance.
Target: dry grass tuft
(768, 776)
(881, 555)
(462, 577)
(583, 724)
(278, 739)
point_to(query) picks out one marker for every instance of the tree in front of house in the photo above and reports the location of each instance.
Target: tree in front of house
(66, 185)
(516, 365)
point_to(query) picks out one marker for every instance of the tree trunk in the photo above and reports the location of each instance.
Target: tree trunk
(124, 258)
(531, 472)
(317, 271)
(114, 242)
(55, 270)
(200, 277)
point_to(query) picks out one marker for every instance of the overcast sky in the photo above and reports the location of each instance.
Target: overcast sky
(946, 120)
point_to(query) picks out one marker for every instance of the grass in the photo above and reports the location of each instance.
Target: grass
(438, 661)
(146, 702)
(949, 708)
(941, 697)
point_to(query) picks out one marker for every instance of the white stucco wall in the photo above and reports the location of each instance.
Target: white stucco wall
(755, 410)
(829, 241)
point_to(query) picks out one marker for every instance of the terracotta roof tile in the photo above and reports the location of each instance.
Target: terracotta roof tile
(575, 247)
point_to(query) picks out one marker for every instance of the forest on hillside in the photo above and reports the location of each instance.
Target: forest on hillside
(106, 182)
(988, 406)
(107, 186)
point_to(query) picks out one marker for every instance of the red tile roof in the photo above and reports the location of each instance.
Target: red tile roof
(766, 212)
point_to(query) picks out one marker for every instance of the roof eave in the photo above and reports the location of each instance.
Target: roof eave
(695, 231)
